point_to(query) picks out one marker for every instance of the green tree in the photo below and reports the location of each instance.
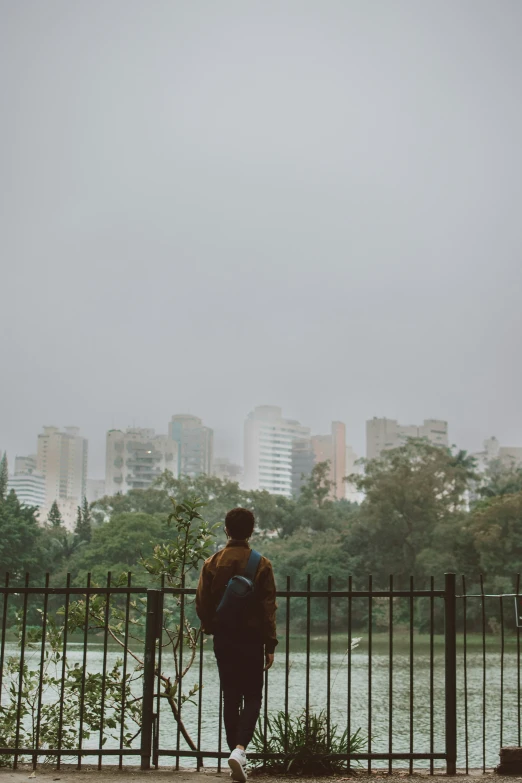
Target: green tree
(83, 529)
(153, 500)
(414, 495)
(496, 530)
(4, 477)
(501, 479)
(54, 517)
(118, 546)
(317, 487)
(21, 542)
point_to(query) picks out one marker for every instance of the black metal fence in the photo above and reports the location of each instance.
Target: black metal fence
(122, 671)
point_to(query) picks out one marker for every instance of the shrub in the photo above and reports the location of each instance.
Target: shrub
(304, 744)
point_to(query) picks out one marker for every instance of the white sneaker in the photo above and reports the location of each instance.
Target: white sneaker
(237, 763)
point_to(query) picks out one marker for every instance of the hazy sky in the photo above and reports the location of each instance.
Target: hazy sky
(208, 205)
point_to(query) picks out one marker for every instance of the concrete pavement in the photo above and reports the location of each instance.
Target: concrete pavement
(134, 775)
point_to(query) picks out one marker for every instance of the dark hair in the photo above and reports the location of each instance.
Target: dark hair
(240, 523)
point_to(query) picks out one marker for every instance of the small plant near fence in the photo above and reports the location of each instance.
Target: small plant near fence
(305, 743)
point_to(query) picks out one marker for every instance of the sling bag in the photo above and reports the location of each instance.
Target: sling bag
(238, 598)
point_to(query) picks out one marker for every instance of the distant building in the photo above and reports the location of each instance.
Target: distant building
(62, 458)
(29, 488)
(332, 448)
(95, 489)
(269, 446)
(384, 434)
(25, 464)
(136, 457)
(303, 461)
(226, 470)
(195, 445)
(509, 456)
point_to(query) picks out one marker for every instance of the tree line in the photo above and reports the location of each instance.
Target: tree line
(425, 511)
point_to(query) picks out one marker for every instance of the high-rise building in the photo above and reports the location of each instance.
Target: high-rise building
(195, 445)
(269, 445)
(303, 461)
(62, 458)
(384, 434)
(136, 457)
(332, 448)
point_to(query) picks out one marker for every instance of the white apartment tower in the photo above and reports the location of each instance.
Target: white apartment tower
(136, 457)
(269, 440)
(27, 482)
(62, 459)
(384, 434)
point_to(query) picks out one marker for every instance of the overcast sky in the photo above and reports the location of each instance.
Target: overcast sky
(208, 205)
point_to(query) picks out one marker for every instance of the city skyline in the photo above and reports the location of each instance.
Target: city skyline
(97, 469)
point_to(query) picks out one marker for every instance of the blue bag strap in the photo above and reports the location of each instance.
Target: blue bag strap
(252, 565)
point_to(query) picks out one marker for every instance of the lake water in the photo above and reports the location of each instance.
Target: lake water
(359, 699)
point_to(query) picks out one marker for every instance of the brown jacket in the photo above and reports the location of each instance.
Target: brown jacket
(216, 572)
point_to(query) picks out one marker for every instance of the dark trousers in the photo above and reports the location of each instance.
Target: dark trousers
(240, 666)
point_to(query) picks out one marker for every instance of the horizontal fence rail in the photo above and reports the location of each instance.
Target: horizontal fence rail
(420, 677)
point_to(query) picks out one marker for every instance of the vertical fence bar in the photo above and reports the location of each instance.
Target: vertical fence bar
(21, 675)
(349, 673)
(265, 719)
(450, 640)
(106, 620)
(370, 628)
(328, 658)
(181, 634)
(483, 607)
(157, 714)
(390, 681)
(220, 728)
(40, 679)
(412, 706)
(308, 622)
(502, 649)
(518, 667)
(432, 673)
(84, 667)
(465, 655)
(124, 673)
(200, 695)
(64, 665)
(287, 659)
(151, 634)
(4, 626)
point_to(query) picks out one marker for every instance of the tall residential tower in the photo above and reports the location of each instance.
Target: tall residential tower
(136, 457)
(62, 459)
(269, 449)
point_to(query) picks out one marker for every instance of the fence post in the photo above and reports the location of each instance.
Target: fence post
(450, 642)
(152, 625)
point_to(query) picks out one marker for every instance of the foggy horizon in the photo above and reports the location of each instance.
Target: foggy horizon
(208, 207)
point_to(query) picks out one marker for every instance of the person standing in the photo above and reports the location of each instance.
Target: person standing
(244, 647)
